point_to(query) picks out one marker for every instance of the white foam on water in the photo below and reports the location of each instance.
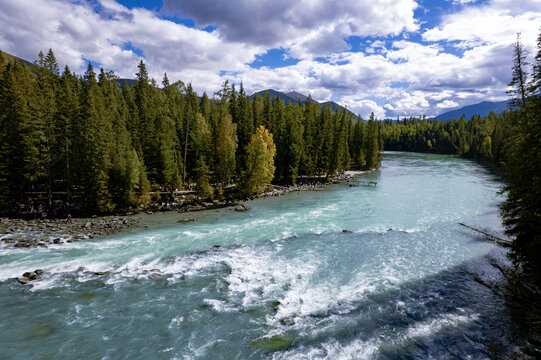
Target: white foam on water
(435, 325)
(332, 349)
(176, 322)
(220, 306)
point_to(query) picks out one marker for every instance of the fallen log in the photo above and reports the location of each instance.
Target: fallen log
(490, 237)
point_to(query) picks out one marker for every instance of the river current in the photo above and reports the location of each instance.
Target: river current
(380, 272)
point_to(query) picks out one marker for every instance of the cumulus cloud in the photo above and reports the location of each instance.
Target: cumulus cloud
(277, 22)
(77, 31)
(464, 59)
(447, 104)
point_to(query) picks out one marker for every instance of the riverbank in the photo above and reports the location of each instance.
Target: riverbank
(22, 233)
(44, 233)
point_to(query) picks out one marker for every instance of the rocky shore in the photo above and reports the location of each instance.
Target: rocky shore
(43, 233)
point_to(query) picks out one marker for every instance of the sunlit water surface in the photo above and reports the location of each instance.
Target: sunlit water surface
(286, 282)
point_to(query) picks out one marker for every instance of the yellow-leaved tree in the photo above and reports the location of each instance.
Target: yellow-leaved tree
(260, 167)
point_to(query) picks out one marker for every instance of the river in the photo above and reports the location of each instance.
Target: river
(283, 281)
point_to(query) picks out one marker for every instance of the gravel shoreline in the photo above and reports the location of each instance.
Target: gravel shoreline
(42, 233)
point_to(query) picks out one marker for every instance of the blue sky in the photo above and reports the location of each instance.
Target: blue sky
(401, 57)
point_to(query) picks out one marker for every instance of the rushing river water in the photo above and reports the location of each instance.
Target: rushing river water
(286, 282)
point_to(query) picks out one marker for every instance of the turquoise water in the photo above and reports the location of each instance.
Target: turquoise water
(399, 284)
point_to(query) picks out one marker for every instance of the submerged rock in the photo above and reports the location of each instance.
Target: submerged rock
(102, 272)
(186, 220)
(278, 342)
(242, 208)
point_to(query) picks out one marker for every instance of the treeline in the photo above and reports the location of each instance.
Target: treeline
(480, 138)
(105, 146)
(511, 141)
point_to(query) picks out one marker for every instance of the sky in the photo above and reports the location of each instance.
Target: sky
(390, 57)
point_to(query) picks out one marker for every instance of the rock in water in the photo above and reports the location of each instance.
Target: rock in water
(38, 272)
(22, 280)
(102, 272)
(30, 275)
(242, 208)
(186, 220)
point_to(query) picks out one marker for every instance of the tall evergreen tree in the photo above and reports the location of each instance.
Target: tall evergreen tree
(226, 145)
(372, 145)
(519, 83)
(535, 85)
(22, 137)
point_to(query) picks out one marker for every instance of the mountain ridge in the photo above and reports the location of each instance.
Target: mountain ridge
(482, 109)
(296, 97)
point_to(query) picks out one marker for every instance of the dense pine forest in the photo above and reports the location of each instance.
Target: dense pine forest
(511, 141)
(104, 146)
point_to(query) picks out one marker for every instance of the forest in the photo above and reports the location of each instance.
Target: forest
(105, 146)
(511, 142)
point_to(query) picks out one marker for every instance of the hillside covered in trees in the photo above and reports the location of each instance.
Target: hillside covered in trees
(88, 140)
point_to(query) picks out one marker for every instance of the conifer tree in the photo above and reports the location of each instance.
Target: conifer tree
(372, 146)
(47, 83)
(66, 114)
(22, 135)
(226, 145)
(519, 84)
(94, 162)
(535, 85)
(292, 142)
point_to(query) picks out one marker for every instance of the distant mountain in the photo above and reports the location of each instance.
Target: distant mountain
(334, 106)
(12, 58)
(285, 97)
(129, 82)
(483, 109)
(296, 97)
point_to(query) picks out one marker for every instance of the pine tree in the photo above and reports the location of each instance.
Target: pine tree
(226, 146)
(372, 145)
(535, 85)
(94, 131)
(47, 82)
(292, 143)
(21, 136)
(66, 114)
(518, 85)
(522, 209)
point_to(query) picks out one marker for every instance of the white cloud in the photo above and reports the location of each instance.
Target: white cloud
(283, 22)
(463, 60)
(363, 107)
(76, 32)
(447, 104)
